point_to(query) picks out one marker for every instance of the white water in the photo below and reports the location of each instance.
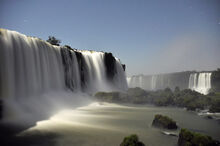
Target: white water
(34, 72)
(153, 82)
(135, 81)
(200, 82)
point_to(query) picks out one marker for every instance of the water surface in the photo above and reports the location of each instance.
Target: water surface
(107, 124)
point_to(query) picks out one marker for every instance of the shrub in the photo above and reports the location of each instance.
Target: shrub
(53, 41)
(132, 140)
(189, 138)
(164, 122)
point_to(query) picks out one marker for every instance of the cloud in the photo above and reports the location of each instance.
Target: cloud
(186, 52)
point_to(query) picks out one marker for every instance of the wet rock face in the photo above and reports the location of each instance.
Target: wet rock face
(82, 68)
(67, 60)
(71, 57)
(124, 66)
(161, 121)
(109, 60)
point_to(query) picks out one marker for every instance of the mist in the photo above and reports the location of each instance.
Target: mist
(27, 112)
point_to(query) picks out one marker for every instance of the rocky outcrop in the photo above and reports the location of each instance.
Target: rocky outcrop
(164, 122)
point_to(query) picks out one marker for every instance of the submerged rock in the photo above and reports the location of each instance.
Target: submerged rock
(209, 117)
(164, 122)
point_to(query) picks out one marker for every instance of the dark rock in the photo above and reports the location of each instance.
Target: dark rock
(67, 60)
(164, 122)
(124, 66)
(109, 60)
(82, 68)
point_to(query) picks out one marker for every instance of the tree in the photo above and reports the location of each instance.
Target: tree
(54, 41)
(168, 90)
(132, 140)
(177, 89)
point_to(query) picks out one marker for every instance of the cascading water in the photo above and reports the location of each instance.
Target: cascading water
(153, 82)
(200, 82)
(183, 80)
(31, 68)
(135, 81)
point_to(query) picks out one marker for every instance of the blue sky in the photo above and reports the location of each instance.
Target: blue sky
(149, 36)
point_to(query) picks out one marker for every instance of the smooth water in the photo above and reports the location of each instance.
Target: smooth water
(107, 124)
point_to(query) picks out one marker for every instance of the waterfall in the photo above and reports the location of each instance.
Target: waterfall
(128, 81)
(31, 68)
(200, 82)
(153, 82)
(135, 81)
(140, 81)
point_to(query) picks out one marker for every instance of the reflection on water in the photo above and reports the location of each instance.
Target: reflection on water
(107, 124)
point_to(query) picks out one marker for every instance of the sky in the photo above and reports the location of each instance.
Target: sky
(149, 36)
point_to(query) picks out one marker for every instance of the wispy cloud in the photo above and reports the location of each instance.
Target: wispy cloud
(187, 52)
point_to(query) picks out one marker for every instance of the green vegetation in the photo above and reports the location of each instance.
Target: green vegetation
(187, 98)
(215, 79)
(133, 95)
(53, 41)
(137, 95)
(111, 96)
(164, 122)
(188, 138)
(132, 140)
(214, 101)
